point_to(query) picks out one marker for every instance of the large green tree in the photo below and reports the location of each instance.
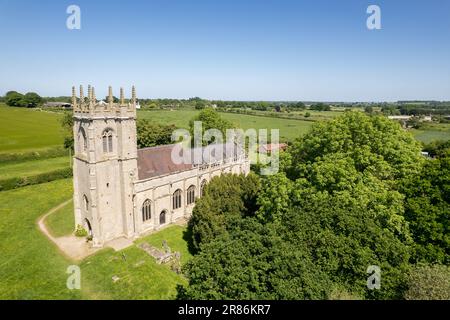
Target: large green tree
(345, 199)
(427, 209)
(375, 145)
(151, 134)
(224, 200)
(14, 99)
(210, 119)
(32, 99)
(252, 261)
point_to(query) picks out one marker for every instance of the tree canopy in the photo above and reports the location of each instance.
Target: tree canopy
(352, 193)
(151, 134)
(210, 119)
(16, 99)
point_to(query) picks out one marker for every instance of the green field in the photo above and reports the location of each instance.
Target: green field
(289, 129)
(32, 167)
(23, 129)
(432, 131)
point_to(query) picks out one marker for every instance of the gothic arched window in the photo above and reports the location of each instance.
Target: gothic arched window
(86, 203)
(176, 200)
(146, 210)
(191, 194)
(162, 217)
(82, 140)
(107, 140)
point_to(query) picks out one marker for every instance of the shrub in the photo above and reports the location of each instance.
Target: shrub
(33, 155)
(18, 182)
(80, 232)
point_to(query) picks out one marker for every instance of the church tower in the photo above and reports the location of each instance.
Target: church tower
(105, 164)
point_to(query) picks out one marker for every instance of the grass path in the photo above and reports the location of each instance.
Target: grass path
(70, 246)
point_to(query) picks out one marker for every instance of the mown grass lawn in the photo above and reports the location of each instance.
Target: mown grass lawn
(32, 167)
(23, 129)
(61, 222)
(140, 277)
(31, 267)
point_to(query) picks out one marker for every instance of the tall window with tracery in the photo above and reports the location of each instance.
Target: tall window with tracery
(176, 199)
(146, 210)
(82, 140)
(107, 140)
(86, 203)
(191, 194)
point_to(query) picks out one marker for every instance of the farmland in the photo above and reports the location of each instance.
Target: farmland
(289, 129)
(23, 129)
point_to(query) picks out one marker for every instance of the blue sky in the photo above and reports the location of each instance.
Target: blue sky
(243, 50)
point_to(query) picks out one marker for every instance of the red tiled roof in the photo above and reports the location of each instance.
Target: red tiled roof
(156, 161)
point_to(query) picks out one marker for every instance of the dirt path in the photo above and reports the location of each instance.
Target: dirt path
(72, 247)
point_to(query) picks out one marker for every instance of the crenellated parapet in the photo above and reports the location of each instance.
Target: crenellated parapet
(91, 107)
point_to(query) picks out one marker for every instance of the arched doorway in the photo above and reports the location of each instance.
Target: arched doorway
(88, 224)
(162, 217)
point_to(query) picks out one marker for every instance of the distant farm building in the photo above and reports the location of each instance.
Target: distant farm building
(59, 104)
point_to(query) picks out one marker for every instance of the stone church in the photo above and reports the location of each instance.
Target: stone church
(123, 191)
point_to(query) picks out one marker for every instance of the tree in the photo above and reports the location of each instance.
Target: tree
(299, 105)
(14, 99)
(320, 107)
(375, 145)
(115, 99)
(438, 148)
(253, 262)
(32, 99)
(67, 129)
(368, 109)
(151, 134)
(348, 231)
(200, 104)
(274, 198)
(337, 207)
(224, 199)
(210, 119)
(429, 282)
(427, 210)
